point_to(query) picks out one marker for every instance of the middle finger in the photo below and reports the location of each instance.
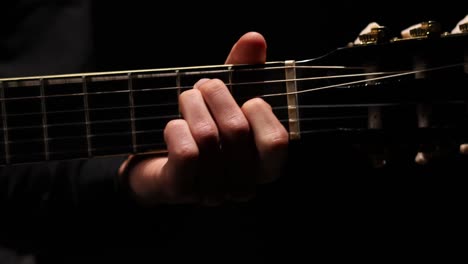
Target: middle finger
(236, 139)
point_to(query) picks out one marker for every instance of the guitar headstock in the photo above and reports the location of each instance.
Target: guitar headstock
(376, 34)
(410, 91)
(421, 31)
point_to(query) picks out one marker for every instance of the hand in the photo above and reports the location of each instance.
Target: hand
(218, 151)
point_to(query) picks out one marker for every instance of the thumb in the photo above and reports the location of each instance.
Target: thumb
(249, 49)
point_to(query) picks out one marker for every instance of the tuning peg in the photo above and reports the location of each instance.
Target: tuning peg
(376, 35)
(461, 27)
(423, 30)
(427, 29)
(372, 33)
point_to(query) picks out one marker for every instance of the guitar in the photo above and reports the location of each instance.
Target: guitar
(381, 90)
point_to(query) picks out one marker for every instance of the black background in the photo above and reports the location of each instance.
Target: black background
(142, 34)
(327, 206)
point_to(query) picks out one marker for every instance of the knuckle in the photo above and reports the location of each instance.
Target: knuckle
(188, 94)
(237, 126)
(205, 132)
(186, 152)
(254, 104)
(212, 87)
(275, 140)
(174, 124)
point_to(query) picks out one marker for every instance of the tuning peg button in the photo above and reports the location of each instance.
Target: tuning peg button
(376, 35)
(426, 29)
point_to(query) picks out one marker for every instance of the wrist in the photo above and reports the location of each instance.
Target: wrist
(136, 178)
(124, 175)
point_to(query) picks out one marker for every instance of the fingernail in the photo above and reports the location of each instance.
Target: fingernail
(200, 82)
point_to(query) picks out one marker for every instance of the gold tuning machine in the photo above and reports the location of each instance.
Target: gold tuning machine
(375, 36)
(427, 30)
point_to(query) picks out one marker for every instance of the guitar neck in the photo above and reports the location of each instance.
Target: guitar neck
(114, 113)
(413, 90)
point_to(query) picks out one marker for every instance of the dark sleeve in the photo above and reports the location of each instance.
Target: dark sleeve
(73, 184)
(53, 204)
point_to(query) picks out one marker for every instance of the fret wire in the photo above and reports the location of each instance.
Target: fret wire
(5, 125)
(179, 87)
(44, 119)
(132, 111)
(230, 79)
(87, 117)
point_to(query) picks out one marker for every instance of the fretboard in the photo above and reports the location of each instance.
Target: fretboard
(100, 114)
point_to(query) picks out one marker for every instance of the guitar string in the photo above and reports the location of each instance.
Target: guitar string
(160, 73)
